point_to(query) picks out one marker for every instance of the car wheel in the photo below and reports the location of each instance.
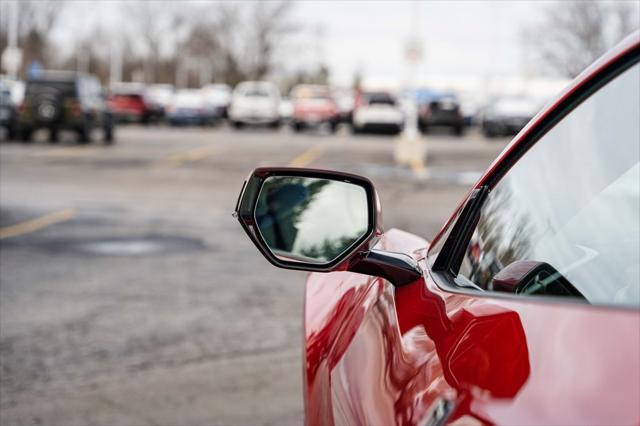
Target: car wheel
(297, 127)
(333, 126)
(237, 124)
(25, 135)
(12, 131)
(458, 130)
(108, 135)
(275, 124)
(53, 135)
(488, 132)
(84, 133)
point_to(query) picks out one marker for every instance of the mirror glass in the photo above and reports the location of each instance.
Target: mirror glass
(309, 219)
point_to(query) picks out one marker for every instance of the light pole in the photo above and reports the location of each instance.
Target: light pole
(12, 55)
(411, 148)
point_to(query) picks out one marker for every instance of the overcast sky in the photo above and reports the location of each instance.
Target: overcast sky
(459, 38)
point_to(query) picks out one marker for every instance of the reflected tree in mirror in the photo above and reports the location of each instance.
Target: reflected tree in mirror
(310, 219)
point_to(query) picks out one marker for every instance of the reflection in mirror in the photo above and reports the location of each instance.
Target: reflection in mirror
(310, 219)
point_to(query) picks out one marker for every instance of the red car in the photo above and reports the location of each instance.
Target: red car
(313, 106)
(524, 309)
(132, 105)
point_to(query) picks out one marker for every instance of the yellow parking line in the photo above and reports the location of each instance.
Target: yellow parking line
(65, 152)
(192, 155)
(308, 156)
(37, 224)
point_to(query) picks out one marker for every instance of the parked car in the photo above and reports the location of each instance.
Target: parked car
(313, 106)
(524, 309)
(160, 97)
(8, 112)
(131, 104)
(219, 97)
(345, 100)
(508, 115)
(442, 110)
(285, 110)
(64, 100)
(189, 107)
(255, 102)
(377, 111)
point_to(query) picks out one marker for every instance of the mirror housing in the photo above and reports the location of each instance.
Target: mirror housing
(357, 256)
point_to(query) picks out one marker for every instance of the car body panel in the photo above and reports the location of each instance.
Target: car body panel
(427, 354)
(376, 354)
(255, 102)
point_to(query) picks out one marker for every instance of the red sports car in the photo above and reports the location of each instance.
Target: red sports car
(524, 309)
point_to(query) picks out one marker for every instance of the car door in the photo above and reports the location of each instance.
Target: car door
(527, 312)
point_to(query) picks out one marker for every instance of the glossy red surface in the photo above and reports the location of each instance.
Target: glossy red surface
(379, 355)
(375, 354)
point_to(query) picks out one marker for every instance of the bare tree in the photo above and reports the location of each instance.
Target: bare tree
(155, 26)
(271, 24)
(36, 21)
(239, 41)
(574, 33)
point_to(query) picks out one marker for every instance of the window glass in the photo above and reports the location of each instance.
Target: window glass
(565, 220)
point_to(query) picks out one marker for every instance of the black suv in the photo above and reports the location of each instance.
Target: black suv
(441, 112)
(61, 100)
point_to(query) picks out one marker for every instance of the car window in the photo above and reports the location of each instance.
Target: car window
(379, 99)
(65, 88)
(569, 210)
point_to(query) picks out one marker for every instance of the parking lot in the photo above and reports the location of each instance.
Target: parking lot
(130, 295)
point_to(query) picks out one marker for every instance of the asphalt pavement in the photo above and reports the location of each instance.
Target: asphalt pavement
(129, 295)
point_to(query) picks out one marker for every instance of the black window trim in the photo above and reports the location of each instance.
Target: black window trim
(445, 264)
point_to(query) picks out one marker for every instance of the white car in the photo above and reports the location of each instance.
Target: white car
(161, 95)
(218, 96)
(377, 111)
(189, 107)
(255, 102)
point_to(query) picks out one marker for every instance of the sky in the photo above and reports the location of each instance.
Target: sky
(458, 38)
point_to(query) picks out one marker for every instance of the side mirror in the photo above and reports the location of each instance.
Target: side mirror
(315, 220)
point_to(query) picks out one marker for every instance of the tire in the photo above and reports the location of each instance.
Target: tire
(355, 129)
(333, 126)
(458, 130)
(109, 138)
(25, 135)
(237, 125)
(12, 131)
(84, 134)
(489, 132)
(53, 136)
(275, 124)
(297, 127)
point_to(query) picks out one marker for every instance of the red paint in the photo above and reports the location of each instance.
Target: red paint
(375, 354)
(128, 105)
